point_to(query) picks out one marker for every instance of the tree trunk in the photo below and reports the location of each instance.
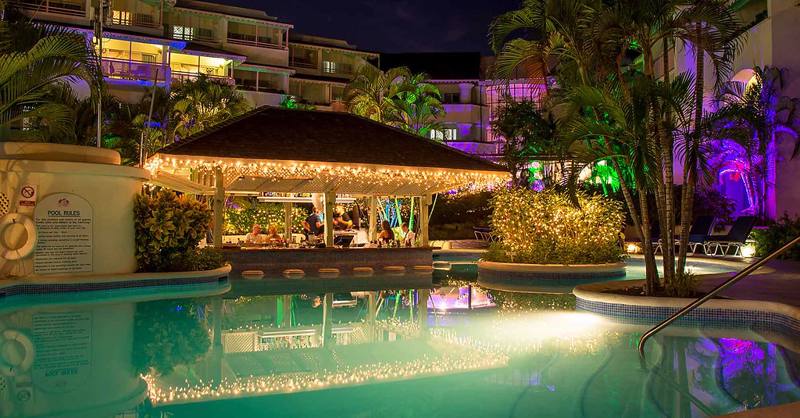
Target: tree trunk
(642, 230)
(667, 149)
(690, 165)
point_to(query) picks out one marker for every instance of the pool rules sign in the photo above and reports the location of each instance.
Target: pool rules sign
(64, 230)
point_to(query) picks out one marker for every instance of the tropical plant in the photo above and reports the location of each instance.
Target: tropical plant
(395, 97)
(754, 115)
(528, 132)
(610, 101)
(201, 103)
(37, 65)
(166, 334)
(417, 106)
(547, 228)
(167, 228)
(776, 235)
(371, 92)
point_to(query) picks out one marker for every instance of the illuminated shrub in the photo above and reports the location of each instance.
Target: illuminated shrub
(547, 228)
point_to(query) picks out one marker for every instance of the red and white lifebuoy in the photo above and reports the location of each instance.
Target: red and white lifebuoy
(26, 249)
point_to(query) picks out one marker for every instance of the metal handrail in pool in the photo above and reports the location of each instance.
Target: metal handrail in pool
(730, 282)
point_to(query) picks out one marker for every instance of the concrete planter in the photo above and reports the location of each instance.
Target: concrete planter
(551, 271)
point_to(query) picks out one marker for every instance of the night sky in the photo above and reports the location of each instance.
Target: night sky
(391, 25)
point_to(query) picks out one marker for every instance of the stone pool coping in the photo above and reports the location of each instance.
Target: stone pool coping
(595, 297)
(545, 271)
(33, 285)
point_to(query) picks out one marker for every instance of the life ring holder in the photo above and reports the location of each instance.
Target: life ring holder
(30, 227)
(9, 370)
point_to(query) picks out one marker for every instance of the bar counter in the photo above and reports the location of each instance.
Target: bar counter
(273, 261)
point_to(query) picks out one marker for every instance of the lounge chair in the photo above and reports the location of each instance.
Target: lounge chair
(736, 237)
(700, 232)
(484, 234)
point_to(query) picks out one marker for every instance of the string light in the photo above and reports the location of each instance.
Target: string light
(548, 228)
(452, 359)
(348, 178)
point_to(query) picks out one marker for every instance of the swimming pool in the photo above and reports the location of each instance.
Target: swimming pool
(323, 355)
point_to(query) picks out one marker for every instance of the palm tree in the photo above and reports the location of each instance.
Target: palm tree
(199, 104)
(417, 106)
(752, 115)
(371, 93)
(37, 65)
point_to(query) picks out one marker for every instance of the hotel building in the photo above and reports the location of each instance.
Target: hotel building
(163, 42)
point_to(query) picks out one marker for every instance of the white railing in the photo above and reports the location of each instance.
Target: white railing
(133, 70)
(55, 7)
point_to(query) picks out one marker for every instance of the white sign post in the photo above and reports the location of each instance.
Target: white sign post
(65, 239)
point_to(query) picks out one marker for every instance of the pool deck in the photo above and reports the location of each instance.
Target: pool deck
(789, 410)
(781, 284)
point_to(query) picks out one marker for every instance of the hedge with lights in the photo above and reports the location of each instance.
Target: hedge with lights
(241, 214)
(548, 228)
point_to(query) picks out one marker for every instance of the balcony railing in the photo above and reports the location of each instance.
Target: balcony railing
(252, 40)
(133, 70)
(129, 18)
(55, 7)
(180, 76)
(302, 63)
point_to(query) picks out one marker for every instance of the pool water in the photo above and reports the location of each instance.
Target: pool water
(389, 353)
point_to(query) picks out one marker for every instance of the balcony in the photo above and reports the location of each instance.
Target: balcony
(188, 33)
(66, 8)
(302, 63)
(181, 76)
(133, 70)
(253, 40)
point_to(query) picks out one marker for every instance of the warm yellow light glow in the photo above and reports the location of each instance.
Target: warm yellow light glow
(749, 250)
(361, 177)
(633, 248)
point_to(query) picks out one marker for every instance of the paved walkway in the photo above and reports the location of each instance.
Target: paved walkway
(781, 285)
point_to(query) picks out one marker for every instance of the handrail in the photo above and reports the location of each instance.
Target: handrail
(730, 282)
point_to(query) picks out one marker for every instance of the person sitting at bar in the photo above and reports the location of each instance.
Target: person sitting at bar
(273, 237)
(386, 234)
(312, 225)
(409, 237)
(254, 237)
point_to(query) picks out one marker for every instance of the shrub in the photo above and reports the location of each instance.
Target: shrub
(168, 229)
(168, 333)
(683, 285)
(777, 234)
(548, 228)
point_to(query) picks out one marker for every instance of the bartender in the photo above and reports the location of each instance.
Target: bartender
(341, 220)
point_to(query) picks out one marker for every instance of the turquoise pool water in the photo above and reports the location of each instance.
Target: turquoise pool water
(389, 353)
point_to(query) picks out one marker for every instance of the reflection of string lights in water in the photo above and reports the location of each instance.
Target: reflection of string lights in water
(454, 361)
(569, 333)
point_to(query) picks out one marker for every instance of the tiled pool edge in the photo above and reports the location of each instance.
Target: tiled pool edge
(766, 315)
(64, 284)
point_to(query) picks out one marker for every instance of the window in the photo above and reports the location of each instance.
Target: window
(446, 134)
(183, 32)
(149, 58)
(120, 17)
(328, 67)
(451, 98)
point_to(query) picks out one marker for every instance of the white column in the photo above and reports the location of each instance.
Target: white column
(218, 206)
(327, 319)
(465, 92)
(287, 220)
(329, 201)
(373, 217)
(424, 208)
